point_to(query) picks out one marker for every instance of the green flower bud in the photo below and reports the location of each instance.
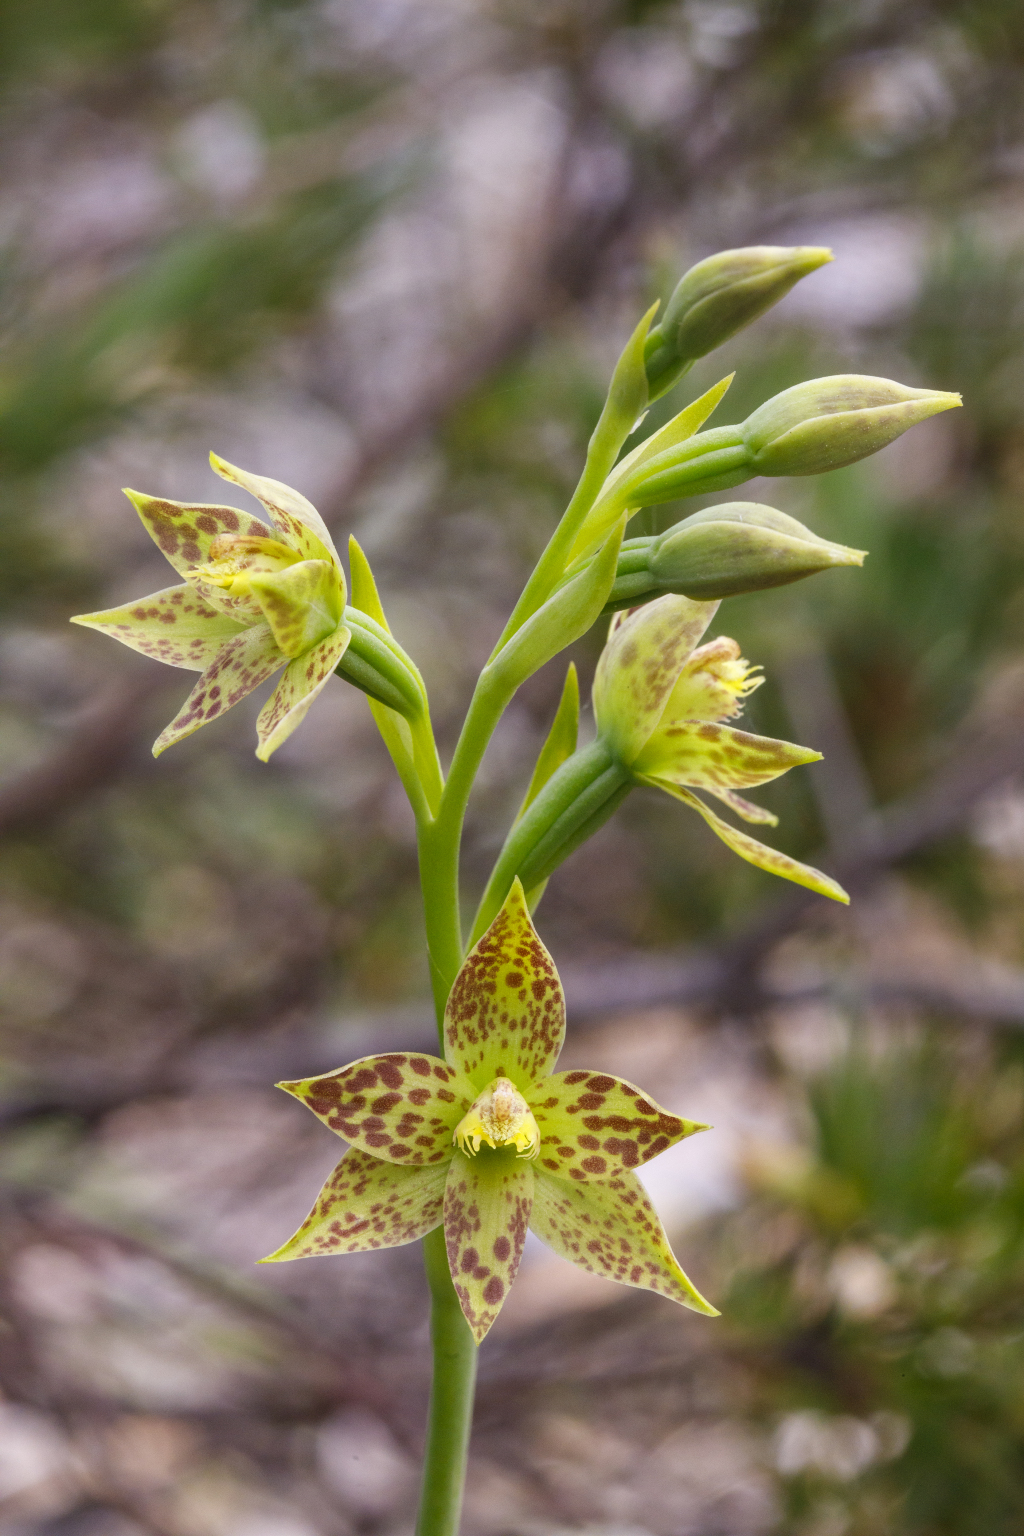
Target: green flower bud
(740, 547)
(828, 423)
(721, 552)
(823, 424)
(717, 298)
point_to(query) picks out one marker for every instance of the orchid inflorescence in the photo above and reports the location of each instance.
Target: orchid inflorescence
(478, 1146)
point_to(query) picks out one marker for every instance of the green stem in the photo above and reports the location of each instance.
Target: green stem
(451, 1398)
(440, 840)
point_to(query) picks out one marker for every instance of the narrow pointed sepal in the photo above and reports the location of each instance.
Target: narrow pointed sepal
(368, 1204)
(176, 626)
(595, 1126)
(296, 519)
(611, 1228)
(746, 808)
(768, 859)
(303, 680)
(506, 1012)
(240, 665)
(184, 530)
(702, 754)
(487, 1203)
(402, 1107)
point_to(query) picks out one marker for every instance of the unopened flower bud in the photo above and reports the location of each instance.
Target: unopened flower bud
(717, 298)
(828, 423)
(740, 547)
(721, 552)
(821, 425)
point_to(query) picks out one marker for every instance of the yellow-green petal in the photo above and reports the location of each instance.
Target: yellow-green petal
(368, 1204)
(746, 808)
(177, 626)
(402, 1107)
(768, 859)
(645, 653)
(487, 1203)
(506, 1012)
(184, 530)
(241, 665)
(302, 681)
(704, 755)
(595, 1126)
(612, 1229)
(302, 604)
(296, 519)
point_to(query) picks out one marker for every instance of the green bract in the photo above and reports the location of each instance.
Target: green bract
(491, 1141)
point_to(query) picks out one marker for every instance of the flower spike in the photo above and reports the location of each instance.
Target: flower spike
(492, 1141)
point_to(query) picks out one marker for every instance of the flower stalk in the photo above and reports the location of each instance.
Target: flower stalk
(467, 1149)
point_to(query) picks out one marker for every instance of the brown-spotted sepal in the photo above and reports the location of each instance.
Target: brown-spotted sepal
(595, 1126)
(367, 1203)
(400, 1107)
(506, 1012)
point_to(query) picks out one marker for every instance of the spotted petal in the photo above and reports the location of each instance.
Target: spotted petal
(595, 1126)
(402, 1107)
(175, 625)
(645, 654)
(302, 604)
(506, 1013)
(487, 1202)
(704, 755)
(611, 1228)
(302, 681)
(240, 666)
(296, 519)
(184, 530)
(368, 1204)
(769, 859)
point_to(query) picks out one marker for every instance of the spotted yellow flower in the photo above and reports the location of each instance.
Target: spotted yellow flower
(255, 598)
(661, 702)
(491, 1141)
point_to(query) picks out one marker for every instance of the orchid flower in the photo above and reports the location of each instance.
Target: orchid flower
(255, 598)
(491, 1141)
(661, 703)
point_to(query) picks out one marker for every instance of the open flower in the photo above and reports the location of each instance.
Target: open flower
(491, 1141)
(254, 599)
(661, 701)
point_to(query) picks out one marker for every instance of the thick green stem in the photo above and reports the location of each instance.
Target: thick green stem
(451, 1398)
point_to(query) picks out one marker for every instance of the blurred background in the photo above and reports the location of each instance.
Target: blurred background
(387, 252)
